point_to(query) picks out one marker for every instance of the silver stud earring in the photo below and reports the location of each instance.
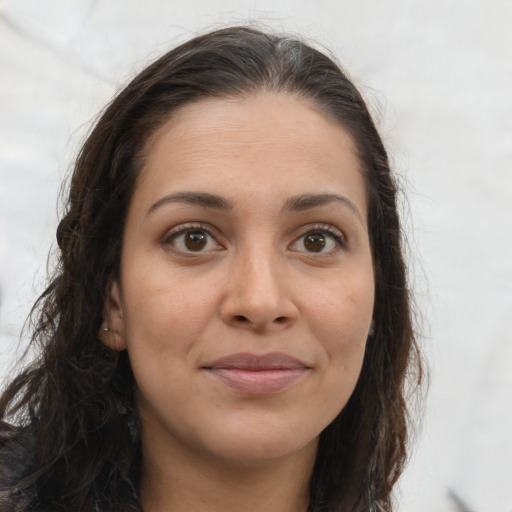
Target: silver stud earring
(106, 329)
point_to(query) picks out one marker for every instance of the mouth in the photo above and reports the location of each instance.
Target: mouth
(254, 374)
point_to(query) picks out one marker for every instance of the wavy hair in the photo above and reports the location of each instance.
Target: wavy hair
(77, 398)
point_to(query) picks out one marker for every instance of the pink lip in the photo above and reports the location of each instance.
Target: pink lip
(249, 373)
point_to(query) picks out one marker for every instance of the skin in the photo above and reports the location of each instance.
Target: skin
(254, 287)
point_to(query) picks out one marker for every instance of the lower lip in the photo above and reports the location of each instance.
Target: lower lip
(258, 382)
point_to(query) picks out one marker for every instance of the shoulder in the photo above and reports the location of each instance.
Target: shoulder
(20, 479)
(18, 456)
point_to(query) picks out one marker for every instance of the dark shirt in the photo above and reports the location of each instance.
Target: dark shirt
(18, 457)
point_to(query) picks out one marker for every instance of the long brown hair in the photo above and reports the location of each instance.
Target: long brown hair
(76, 399)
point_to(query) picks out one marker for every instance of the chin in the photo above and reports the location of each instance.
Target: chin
(259, 444)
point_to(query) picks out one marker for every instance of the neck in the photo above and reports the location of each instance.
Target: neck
(178, 482)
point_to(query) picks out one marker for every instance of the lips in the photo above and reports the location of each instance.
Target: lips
(258, 374)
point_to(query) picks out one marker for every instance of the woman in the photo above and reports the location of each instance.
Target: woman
(229, 325)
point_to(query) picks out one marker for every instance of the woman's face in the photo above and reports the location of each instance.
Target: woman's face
(246, 288)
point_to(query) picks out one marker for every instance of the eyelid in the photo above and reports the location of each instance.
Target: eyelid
(187, 227)
(321, 226)
(331, 231)
(336, 234)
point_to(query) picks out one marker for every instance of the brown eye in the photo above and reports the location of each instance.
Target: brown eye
(315, 242)
(188, 240)
(324, 240)
(195, 240)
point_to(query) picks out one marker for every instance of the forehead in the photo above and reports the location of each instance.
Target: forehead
(265, 140)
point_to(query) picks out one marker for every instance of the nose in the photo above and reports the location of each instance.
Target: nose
(259, 295)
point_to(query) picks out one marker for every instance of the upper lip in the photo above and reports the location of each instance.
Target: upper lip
(253, 362)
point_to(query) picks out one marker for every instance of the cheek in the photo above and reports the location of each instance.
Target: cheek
(340, 321)
(165, 311)
(163, 324)
(343, 310)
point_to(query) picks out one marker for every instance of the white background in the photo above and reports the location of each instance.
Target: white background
(437, 75)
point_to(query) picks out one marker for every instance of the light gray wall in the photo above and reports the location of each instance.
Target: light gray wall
(438, 75)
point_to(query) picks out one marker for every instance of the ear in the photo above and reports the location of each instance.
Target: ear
(112, 331)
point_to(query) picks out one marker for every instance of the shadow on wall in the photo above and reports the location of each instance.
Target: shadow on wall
(459, 504)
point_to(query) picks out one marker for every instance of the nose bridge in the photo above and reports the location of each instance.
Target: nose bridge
(255, 276)
(260, 276)
(258, 295)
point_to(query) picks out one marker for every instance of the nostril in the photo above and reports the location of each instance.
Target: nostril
(280, 319)
(240, 318)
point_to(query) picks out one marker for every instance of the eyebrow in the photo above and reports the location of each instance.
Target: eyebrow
(295, 204)
(195, 198)
(308, 201)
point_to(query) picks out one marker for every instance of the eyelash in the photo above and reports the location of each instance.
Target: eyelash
(323, 229)
(183, 229)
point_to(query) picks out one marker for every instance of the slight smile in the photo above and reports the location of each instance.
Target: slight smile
(258, 374)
